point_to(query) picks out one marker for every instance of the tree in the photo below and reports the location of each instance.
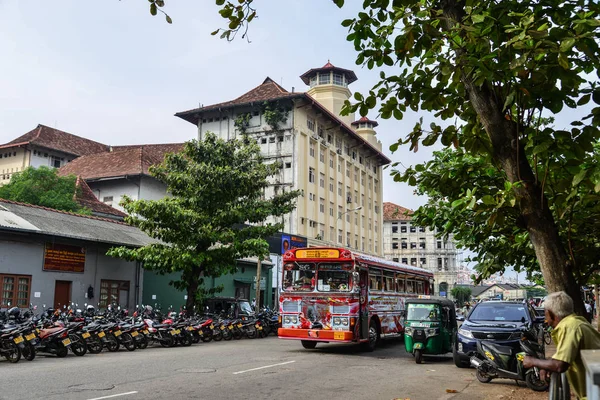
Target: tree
(43, 187)
(492, 70)
(216, 213)
(461, 294)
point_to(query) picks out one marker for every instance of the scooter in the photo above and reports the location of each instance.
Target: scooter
(499, 361)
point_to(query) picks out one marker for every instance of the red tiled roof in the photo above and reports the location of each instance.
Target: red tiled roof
(86, 198)
(350, 75)
(122, 161)
(365, 119)
(55, 139)
(394, 212)
(272, 92)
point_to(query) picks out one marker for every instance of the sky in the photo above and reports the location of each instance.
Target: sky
(109, 71)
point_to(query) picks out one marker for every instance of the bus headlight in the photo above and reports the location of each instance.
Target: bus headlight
(345, 322)
(287, 319)
(336, 321)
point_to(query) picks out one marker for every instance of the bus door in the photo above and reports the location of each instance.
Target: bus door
(364, 304)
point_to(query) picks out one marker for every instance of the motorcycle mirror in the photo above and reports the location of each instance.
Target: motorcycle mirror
(119, 308)
(43, 305)
(85, 304)
(65, 306)
(35, 307)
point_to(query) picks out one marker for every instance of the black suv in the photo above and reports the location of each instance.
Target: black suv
(498, 321)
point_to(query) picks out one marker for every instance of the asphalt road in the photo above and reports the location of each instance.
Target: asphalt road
(267, 368)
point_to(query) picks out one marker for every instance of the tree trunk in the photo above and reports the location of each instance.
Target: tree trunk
(193, 279)
(510, 156)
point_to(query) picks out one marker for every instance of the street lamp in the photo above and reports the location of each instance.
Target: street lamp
(344, 213)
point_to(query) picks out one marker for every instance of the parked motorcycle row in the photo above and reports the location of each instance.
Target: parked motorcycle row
(56, 332)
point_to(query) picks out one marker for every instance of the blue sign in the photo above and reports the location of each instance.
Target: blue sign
(443, 294)
(289, 242)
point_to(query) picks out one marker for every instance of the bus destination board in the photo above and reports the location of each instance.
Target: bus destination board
(318, 253)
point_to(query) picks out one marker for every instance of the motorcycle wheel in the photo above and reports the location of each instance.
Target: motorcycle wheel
(217, 335)
(167, 341)
(62, 352)
(185, 339)
(127, 341)
(94, 345)
(78, 345)
(227, 334)
(142, 342)
(251, 333)
(195, 337)
(12, 352)
(237, 334)
(535, 383)
(28, 352)
(207, 337)
(482, 376)
(418, 356)
(262, 333)
(112, 344)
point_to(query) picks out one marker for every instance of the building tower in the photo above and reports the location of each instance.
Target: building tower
(366, 129)
(329, 86)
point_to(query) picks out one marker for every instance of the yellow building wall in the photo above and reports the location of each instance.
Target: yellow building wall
(16, 162)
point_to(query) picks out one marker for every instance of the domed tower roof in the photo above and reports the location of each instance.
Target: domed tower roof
(364, 120)
(329, 67)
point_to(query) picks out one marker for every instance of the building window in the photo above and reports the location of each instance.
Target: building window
(439, 244)
(395, 246)
(322, 205)
(413, 229)
(322, 180)
(311, 175)
(280, 138)
(413, 245)
(311, 150)
(421, 229)
(403, 229)
(340, 236)
(324, 79)
(108, 200)
(423, 261)
(338, 79)
(439, 264)
(421, 245)
(404, 245)
(15, 290)
(413, 262)
(272, 139)
(445, 264)
(331, 234)
(288, 165)
(263, 140)
(331, 185)
(322, 156)
(114, 292)
(310, 124)
(395, 259)
(331, 210)
(394, 229)
(405, 261)
(356, 174)
(340, 191)
(331, 163)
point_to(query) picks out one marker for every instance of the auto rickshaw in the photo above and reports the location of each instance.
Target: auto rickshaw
(429, 326)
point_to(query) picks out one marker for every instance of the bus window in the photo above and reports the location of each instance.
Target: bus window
(388, 281)
(400, 284)
(299, 277)
(420, 288)
(410, 286)
(332, 278)
(375, 280)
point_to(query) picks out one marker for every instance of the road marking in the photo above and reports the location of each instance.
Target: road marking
(113, 395)
(256, 369)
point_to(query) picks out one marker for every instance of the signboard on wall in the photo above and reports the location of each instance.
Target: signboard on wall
(64, 258)
(289, 242)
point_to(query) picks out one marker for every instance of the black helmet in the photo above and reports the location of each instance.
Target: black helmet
(14, 312)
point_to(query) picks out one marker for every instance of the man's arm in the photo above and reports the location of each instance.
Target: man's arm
(548, 365)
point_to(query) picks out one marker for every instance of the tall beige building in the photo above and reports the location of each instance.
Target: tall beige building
(334, 160)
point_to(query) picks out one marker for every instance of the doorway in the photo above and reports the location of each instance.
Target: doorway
(62, 293)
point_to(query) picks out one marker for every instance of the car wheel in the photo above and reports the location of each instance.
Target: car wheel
(459, 361)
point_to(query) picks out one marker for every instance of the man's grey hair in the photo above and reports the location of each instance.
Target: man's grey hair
(559, 303)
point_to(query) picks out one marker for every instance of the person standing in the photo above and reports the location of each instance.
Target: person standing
(588, 311)
(571, 334)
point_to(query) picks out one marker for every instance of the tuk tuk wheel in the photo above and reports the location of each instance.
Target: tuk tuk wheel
(418, 356)
(482, 377)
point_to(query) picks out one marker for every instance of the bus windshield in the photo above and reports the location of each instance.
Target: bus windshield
(422, 312)
(333, 278)
(299, 277)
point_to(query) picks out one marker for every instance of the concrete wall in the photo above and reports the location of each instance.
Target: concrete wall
(116, 188)
(11, 160)
(25, 255)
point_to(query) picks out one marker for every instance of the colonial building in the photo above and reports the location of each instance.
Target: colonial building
(125, 170)
(419, 246)
(334, 160)
(44, 146)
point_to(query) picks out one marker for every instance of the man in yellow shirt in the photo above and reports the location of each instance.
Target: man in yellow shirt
(571, 334)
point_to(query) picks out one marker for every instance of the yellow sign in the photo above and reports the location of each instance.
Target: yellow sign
(320, 253)
(338, 335)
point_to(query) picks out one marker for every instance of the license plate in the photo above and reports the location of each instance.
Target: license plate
(239, 325)
(259, 328)
(418, 346)
(37, 330)
(190, 328)
(101, 334)
(19, 339)
(212, 326)
(256, 326)
(338, 335)
(230, 327)
(118, 333)
(66, 342)
(86, 335)
(222, 328)
(177, 331)
(145, 331)
(134, 334)
(30, 336)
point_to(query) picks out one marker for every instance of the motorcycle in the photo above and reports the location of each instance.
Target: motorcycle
(497, 361)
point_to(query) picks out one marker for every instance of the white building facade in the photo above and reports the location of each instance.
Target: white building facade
(335, 161)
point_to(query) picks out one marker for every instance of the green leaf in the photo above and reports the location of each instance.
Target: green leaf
(563, 61)
(579, 177)
(584, 99)
(457, 203)
(477, 18)
(566, 44)
(488, 200)
(153, 9)
(169, 20)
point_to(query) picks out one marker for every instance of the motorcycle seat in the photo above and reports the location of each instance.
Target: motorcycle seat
(160, 325)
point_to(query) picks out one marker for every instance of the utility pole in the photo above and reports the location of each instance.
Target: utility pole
(596, 305)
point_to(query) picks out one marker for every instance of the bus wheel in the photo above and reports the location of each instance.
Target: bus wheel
(309, 344)
(373, 337)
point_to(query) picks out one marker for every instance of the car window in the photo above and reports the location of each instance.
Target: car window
(499, 312)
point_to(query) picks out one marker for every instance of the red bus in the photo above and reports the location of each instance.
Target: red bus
(336, 295)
